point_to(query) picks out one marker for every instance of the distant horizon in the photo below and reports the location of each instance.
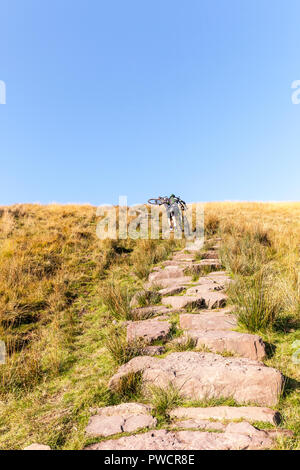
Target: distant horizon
(141, 203)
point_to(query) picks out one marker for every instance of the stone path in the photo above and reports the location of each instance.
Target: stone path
(224, 363)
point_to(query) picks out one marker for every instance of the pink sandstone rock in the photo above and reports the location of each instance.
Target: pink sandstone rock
(170, 272)
(205, 299)
(203, 376)
(171, 282)
(37, 447)
(148, 330)
(172, 290)
(249, 413)
(153, 350)
(234, 438)
(241, 344)
(127, 417)
(207, 321)
(181, 256)
(204, 425)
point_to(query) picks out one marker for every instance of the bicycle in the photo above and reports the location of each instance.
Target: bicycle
(173, 214)
(165, 200)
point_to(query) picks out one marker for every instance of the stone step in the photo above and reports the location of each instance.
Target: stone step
(148, 330)
(219, 320)
(169, 282)
(205, 299)
(127, 417)
(181, 256)
(200, 376)
(172, 290)
(237, 436)
(178, 263)
(170, 272)
(198, 267)
(230, 413)
(204, 425)
(220, 341)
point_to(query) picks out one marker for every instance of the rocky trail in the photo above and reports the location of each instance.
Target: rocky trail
(223, 363)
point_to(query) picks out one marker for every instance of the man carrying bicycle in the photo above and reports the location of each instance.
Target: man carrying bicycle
(174, 207)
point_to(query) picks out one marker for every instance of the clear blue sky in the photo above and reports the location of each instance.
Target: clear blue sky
(147, 97)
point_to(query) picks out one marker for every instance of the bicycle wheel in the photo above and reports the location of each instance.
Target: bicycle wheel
(156, 202)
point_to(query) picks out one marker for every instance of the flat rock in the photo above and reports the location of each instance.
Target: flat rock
(230, 413)
(172, 290)
(109, 425)
(235, 438)
(204, 299)
(125, 409)
(105, 425)
(203, 376)
(179, 281)
(205, 288)
(170, 272)
(207, 321)
(181, 256)
(242, 344)
(153, 350)
(148, 330)
(212, 263)
(127, 417)
(178, 263)
(204, 425)
(37, 447)
(135, 422)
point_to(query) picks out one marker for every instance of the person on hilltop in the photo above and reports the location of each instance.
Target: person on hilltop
(174, 208)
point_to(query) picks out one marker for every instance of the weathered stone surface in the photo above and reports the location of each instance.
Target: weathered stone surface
(148, 330)
(104, 425)
(181, 256)
(179, 281)
(172, 290)
(109, 425)
(125, 410)
(153, 350)
(204, 299)
(170, 272)
(249, 413)
(135, 422)
(37, 447)
(127, 417)
(235, 438)
(184, 301)
(178, 263)
(207, 321)
(212, 263)
(205, 289)
(242, 344)
(204, 425)
(206, 375)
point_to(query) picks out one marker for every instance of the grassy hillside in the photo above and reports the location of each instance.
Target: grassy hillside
(60, 288)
